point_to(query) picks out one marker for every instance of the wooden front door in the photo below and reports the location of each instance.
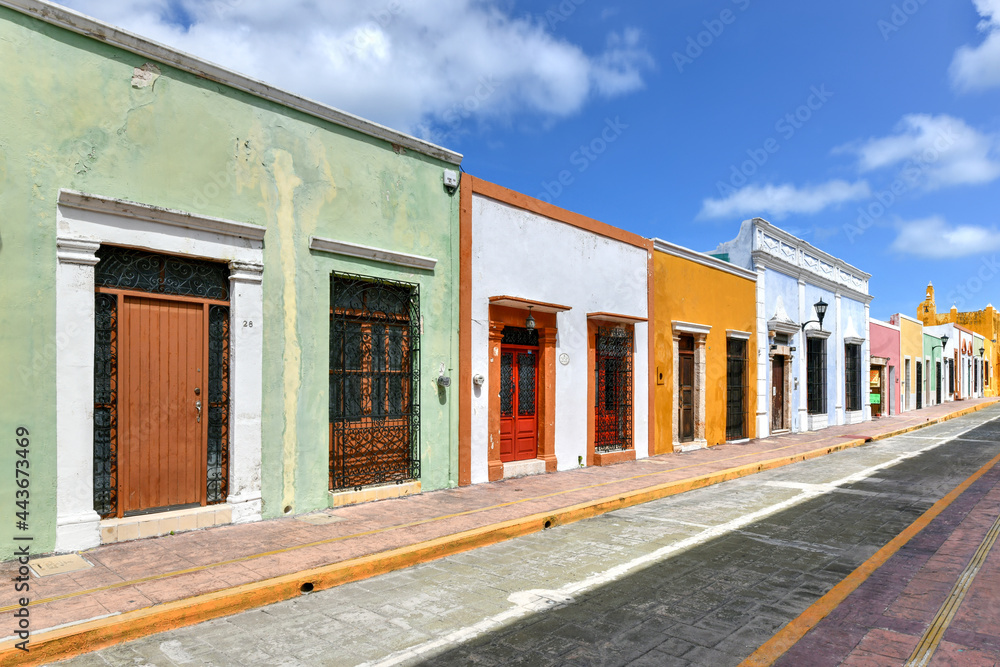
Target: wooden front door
(162, 456)
(777, 393)
(685, 381)
(518, 392)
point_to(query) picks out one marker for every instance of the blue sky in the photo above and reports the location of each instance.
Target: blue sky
(869, 128)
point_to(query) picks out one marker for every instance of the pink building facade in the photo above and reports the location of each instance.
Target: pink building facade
(884, 380)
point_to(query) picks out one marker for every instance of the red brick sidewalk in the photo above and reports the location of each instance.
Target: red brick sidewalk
(145, 586)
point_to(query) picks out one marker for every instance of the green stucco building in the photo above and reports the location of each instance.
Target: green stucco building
(222, 302)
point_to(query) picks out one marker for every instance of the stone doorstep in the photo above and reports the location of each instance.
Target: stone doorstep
(611, 458)
(375, 492)
(164, 523)
(523, 468)
(692, 446)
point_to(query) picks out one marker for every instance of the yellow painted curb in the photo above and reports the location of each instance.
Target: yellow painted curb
(101, 633)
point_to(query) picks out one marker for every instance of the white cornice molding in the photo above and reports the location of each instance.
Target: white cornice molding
(368, 252)
(769, 261)
(853, 340)
(163, 216)
(691, 328)
(818, 333)
(800, 244)
(105, 32)
(738, 335)
(784, 327)
(246, 272)
(703, 259)
(71, 250)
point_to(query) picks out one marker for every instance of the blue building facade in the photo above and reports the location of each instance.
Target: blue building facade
(813, 376)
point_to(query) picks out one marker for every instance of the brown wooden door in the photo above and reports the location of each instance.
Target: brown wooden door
(685, 389)
(518, 404)
(777, 393)
(162, 448)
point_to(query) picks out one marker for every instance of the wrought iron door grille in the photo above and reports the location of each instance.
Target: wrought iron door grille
(131, 269)
(951, 376)
(141, 271)
(852, 379)
(816, 375)
(374, 381)
(613, 389)
(736, 388)
(218, 404)
(106, 405)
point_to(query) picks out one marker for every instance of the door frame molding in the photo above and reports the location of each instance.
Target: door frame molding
(700, 333)
(83, 223)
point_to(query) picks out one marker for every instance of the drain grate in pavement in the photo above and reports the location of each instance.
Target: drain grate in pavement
(44, 567)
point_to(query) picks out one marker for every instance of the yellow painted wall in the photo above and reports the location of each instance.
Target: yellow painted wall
(911, 343)
(984, 322)
(691, 292)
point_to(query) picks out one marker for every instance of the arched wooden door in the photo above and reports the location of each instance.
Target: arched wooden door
(518, 404)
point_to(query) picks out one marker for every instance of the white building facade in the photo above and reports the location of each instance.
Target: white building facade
(809, 376)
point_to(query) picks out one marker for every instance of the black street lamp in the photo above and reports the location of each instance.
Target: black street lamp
(820, 307)
(944, 344)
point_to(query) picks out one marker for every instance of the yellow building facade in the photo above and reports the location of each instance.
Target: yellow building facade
(705, 349)
(911, 344)
(984, 322)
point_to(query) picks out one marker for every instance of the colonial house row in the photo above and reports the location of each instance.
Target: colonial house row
(245, 305)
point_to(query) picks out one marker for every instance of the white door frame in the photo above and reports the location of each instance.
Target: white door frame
(84, 222)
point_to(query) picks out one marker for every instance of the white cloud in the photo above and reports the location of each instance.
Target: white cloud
(937, 151)
(422, 66)
(936, 239)
(777, 201)
(978, 67)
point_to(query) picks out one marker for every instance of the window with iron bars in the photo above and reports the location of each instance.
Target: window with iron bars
(736, 388)
(852, 370)
(613, 389)
(816, 375)
(374, 381)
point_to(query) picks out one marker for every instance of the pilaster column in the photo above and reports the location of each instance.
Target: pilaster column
(547, 400)
(495, 465)
(699, 388)
(763, 358)
(77, 524)
(246, 364)
(802, 371)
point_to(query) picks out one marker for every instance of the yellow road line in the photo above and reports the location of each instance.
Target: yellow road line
(777, 645)
(946, 614)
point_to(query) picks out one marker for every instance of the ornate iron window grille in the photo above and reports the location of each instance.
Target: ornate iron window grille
(140, 271)
(852, 376)
(736, 388)
(374, 381)
(613, 389)
(816, 375)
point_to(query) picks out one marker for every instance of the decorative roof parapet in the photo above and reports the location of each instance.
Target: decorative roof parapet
(771, 243)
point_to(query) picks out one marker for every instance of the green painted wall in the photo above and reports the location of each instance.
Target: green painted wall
(72, 119)
(932, 351)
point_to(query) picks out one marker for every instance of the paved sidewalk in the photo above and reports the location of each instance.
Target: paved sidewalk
(146, 586)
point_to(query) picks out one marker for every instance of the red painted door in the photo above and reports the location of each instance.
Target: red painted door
(162, 459)
(518, 392)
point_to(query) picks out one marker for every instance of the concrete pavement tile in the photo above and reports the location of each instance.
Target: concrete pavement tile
(949, 654)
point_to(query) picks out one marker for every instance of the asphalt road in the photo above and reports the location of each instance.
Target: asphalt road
(702, 578)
